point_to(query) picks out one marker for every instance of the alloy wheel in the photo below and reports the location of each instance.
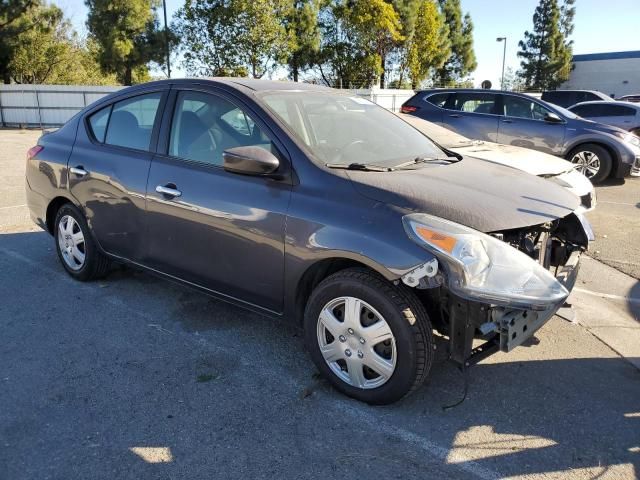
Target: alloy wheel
(71, 242)
(588, 163)
(356, 342)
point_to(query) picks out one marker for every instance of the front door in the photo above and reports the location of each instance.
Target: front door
(216, 229)
(524, 125)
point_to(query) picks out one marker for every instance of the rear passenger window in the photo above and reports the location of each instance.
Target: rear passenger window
(620, 111)
(475, 102)
(98, 122)
(132, 121)
(438, 99)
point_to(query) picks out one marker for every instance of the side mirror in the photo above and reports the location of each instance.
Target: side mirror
(249, 161)
(552, 118)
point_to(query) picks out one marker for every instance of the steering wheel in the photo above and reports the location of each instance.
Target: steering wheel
(347, 147)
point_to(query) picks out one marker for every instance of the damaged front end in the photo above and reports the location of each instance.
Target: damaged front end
(500, 287)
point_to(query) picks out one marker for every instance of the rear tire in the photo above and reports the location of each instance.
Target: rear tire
(593, 161)
(382, 355)
(75, 246)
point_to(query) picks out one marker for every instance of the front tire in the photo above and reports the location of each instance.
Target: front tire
(76, 249)
(593, 161)
(372, 340)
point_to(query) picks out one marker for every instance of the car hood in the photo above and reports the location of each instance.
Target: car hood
(525, 159)
(481, 195)
(595, 126)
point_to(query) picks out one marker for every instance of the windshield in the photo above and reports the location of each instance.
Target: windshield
(565, 112)
(342, 129)
(445, 137)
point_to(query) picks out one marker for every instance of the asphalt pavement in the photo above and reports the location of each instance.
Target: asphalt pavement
(136, 377)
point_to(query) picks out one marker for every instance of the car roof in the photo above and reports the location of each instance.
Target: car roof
(607, 102)
(246, 85)
(473, 90)
(574, 91)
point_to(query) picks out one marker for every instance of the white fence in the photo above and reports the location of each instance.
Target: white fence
(52, 105)
(45, 105)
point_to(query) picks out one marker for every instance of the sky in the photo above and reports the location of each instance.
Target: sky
(600, 26)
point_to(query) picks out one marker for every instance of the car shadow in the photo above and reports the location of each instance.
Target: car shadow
(135, 376)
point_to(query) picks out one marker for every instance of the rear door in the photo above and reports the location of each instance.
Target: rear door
(109, 165)
(523, 124)
(616, 115)
(472, 114)
(219, 230)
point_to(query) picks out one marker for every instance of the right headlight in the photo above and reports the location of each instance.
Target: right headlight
(629, 138)
(481, 267)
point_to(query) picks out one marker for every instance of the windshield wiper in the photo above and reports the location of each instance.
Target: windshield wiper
(418, 160)
(360, 166)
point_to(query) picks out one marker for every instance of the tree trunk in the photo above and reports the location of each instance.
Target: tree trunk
(6, 78)
(128, 76)
(383, 65)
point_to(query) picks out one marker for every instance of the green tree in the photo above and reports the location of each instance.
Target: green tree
(40, 51)
(234, 37)
(463, 59)
(357, 38)
(51, 52)
(512, 82)
(263, 40)
(12, 23)
(302, 24)
(129, 37)
(545, 51)
(428, 48)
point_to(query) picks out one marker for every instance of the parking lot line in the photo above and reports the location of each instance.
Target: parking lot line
(632, 300)
(13, 206)
(446, 455)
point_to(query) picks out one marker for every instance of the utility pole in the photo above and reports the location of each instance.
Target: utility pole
(166, 37)
(504, 54)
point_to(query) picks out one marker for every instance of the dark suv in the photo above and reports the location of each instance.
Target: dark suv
(511, 118)
(302, 202)
(566, 98)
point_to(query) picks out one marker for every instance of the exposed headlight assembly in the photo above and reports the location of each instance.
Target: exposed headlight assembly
(481, 267)
(629, 138)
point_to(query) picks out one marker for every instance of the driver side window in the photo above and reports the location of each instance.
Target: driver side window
(205, 125)
(522, 108)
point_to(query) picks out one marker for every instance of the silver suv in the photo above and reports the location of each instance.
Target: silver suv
(600, 151)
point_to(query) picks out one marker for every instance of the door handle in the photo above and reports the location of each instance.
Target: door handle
(454, 115)
(506, 121)
(79, 171)
(169, 189)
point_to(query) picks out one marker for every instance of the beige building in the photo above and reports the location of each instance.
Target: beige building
(615, 73)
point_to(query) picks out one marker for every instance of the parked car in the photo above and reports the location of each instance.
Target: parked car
(510, 118)
(623, 115)
(547, 166)
(302, 202)
(630, 98)
(566, 98)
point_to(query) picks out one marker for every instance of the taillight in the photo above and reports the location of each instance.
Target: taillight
(33, 151)
(408, 109)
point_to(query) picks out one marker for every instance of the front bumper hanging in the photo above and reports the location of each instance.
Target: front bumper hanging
(504, 328)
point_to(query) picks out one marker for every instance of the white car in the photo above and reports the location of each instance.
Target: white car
(555, 169)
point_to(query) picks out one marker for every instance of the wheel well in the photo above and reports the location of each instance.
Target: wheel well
(52, 211)
(614, 156)
(315, 274)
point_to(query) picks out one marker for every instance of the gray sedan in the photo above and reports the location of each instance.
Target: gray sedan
(601, 151)
(301, 202)
(625, 115)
